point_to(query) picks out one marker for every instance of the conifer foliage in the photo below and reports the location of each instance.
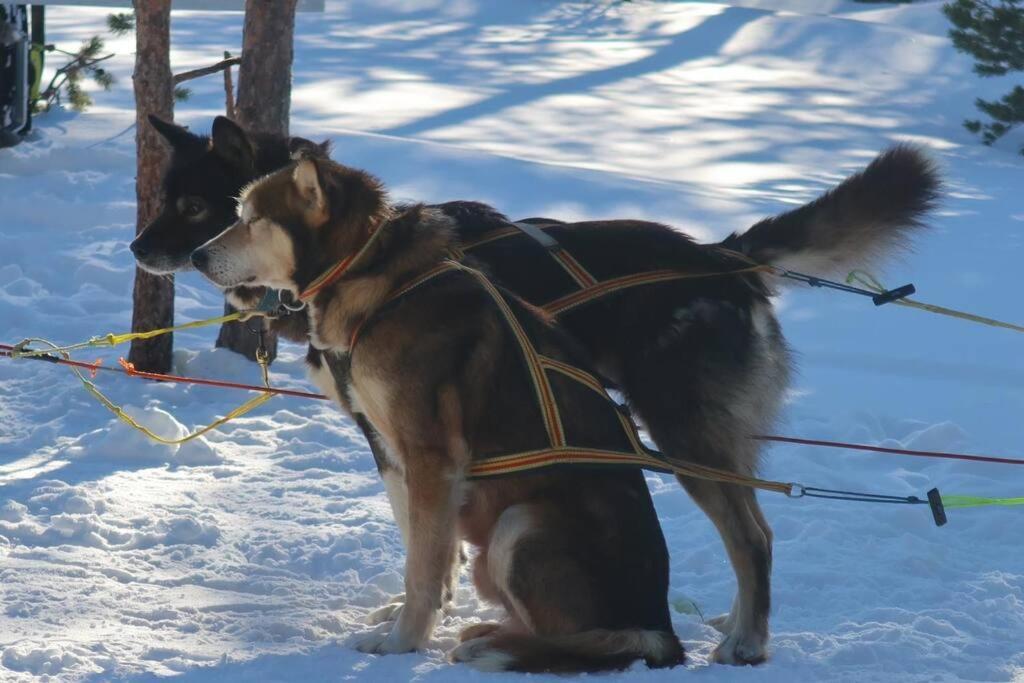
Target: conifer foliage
(992, 31)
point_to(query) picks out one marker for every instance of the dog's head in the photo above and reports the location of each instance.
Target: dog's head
(293, 224)
(201, 184)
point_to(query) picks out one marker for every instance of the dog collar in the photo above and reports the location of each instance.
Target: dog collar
(335, 272)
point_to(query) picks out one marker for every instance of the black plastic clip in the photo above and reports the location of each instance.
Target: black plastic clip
(938, 511)
(891, 295)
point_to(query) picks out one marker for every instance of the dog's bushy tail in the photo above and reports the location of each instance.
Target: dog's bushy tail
(590, 651)
(867, 216)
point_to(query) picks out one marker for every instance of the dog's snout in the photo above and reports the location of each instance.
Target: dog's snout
(200, 259)
(138, 249)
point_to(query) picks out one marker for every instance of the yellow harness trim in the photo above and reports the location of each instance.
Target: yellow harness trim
(573, 372)
(574, 268)
(493, 236)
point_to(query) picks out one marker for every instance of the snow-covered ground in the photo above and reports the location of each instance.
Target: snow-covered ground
(255, 553)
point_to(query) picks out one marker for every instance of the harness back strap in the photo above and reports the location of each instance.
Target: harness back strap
(600, 289)
(590, 288)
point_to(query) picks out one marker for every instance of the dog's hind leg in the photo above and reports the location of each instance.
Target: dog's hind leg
(732, 510)
(578, 595)
(737, 516)
(708, 382)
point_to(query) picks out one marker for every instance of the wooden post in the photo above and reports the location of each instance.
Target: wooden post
(264, 101)
(153, 295)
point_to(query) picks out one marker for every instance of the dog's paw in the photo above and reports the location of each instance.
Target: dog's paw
(392, 610)
(383, 642)
(738, 650)
(723, 623)
(371, 641)
(381, 615)
(484, 628)
(481, 654)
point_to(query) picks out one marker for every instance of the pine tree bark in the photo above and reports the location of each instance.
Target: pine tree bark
(264, 101)
(265, 75)
(152, 295)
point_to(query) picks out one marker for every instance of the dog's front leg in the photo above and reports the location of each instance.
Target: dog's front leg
(433, 485)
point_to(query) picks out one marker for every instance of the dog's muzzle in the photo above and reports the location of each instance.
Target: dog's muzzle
(200, 259)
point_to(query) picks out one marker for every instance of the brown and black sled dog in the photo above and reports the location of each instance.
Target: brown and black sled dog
(702, 362)
(575, 555)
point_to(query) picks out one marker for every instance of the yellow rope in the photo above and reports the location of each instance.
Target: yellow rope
(869, 281)
(119, 412)
(111, 340)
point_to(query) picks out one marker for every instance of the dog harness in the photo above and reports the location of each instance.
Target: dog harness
(558, 448)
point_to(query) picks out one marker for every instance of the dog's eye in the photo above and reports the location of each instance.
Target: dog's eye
(192, 209)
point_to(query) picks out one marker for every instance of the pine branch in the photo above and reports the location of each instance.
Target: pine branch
(992, 31)
(121, 23)
(206, 70)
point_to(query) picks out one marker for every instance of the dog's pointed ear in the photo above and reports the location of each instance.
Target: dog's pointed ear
(232, 144)
(178, 136)
(301, 148)
(307, 181)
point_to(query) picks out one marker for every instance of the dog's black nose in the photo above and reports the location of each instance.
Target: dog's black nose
(139, 250)
(200, 258)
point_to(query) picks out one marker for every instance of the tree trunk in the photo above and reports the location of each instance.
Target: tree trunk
(265, 75)
(264, 99)
(153, 295)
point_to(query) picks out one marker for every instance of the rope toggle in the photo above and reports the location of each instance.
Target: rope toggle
(934, 502)
(879, 295)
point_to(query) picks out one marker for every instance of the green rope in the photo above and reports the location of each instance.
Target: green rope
(978, 501)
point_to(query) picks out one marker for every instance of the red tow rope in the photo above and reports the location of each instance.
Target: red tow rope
(129, 370)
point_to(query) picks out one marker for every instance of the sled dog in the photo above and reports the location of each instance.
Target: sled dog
(440, 364)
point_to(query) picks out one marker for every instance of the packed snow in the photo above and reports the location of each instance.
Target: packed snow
(256, 552)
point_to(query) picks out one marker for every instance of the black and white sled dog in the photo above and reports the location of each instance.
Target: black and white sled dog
(702, 361)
